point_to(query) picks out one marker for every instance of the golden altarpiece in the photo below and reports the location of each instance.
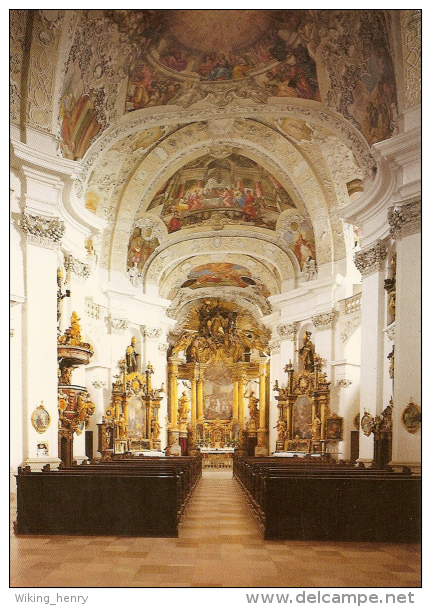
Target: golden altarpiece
(305, 424)
(218, 354)
(131, 422)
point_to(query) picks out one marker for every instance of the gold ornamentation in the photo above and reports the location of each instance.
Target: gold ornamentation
(75, 409)
(218, 331)
(40, 419)
(411, 418)
(367, 423)
(72, 335)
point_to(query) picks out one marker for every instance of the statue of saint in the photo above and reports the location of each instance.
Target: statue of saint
(132, 357)
(306, 353)
(155, 429)
(281, 429)
(122, 426)
(315, 428)
(75, 328)
(252, 406)
(183, 408)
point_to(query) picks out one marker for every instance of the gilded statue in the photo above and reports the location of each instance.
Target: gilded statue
(155, 429)
(183, 408)
(122, 427)
(306, 353)
(132, 357)
(315, 428)
(281, 430)
(75, 327)
(72, 335)
(252, 405)
(84, 409)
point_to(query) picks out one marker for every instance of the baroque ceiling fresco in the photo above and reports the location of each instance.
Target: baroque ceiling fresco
(217, 147)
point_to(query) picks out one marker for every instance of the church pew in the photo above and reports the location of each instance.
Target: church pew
(188, 474)
(330, 501)
(136, 499)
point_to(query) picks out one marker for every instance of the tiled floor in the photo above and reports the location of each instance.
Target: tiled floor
(219, 545)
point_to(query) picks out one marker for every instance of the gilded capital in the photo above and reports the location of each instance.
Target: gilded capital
(42, 231)
(323, 321)
(405, 219)
(368, 261)
(288, 331)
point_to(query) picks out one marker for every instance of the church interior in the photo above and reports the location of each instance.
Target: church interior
(215, 287)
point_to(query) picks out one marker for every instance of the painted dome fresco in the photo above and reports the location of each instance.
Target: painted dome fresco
(122, 61)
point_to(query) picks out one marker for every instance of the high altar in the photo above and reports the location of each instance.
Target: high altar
(212, 358)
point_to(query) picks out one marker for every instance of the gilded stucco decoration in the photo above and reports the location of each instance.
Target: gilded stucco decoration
(41, 74)
(411, 43)
(18, 23)
(215, 330)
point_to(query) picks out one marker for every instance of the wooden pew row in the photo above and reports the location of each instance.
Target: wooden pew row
(252, 475)
(188, 472)
(331, 502)
(103, 499)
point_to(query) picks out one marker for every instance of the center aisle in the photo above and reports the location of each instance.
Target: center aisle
(229, 542)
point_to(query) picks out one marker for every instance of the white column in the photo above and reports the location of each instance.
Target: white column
(405, 224)
(16, 395)
(40, 344)
(370, 262)
(274, 365)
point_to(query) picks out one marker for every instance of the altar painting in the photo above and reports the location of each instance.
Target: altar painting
(218, 392)
(302, 418)
(136, 418)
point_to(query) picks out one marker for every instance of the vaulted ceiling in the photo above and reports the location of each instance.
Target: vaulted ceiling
(219, 146)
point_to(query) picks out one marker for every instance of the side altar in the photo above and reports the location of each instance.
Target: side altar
(305, 423)
(131, 422)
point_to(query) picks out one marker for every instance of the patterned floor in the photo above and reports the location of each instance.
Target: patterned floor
(219, 545)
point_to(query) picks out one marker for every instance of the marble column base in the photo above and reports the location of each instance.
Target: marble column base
(79, 459)
(37, 463)
(398, 466)
(366, 461)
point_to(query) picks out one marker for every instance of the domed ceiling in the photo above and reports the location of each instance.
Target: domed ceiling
(162, 57)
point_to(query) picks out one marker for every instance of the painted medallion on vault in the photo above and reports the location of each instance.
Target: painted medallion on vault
(223, 275)
(233, 190)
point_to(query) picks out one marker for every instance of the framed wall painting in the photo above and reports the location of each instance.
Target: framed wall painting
(40, 419)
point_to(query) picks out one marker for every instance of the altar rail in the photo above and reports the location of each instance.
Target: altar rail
(125, 497)
(318, 500)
